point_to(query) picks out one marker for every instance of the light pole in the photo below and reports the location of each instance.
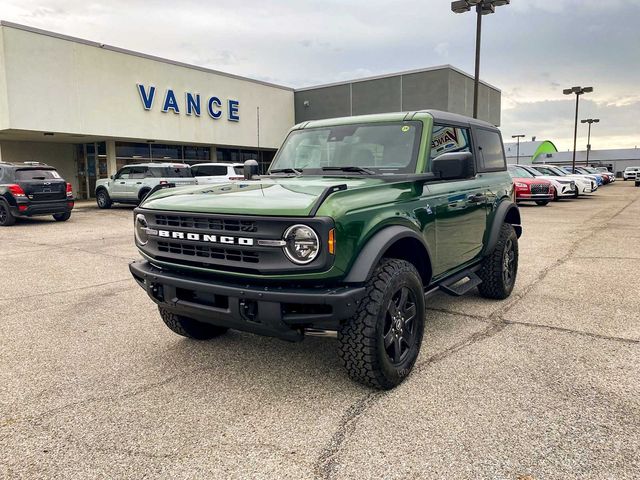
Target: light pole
(589, 121)
(518, 137)
(483, 7)
(578, 91)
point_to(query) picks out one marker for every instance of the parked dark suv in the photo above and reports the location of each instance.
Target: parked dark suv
(31, 188)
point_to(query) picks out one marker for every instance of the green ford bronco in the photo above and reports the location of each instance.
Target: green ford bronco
(358, 220)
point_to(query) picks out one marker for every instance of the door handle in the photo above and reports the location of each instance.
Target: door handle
(122, 183)
(478, 198)
(138, 183)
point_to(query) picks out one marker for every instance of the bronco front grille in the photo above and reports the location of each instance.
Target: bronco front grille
(207, 251)
(539, 188)
(206, 223)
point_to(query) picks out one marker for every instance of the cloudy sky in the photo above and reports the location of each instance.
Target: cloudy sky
(532, 49)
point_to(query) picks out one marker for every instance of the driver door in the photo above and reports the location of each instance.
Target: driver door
(119, 188)
(461, 205)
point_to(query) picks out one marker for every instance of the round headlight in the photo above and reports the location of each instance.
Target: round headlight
(302, 244)
(140, 229)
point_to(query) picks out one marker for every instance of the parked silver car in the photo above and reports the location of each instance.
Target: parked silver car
(133, 182)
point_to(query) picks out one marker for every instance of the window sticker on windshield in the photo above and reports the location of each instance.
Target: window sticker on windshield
(55, 174)
(406, 128)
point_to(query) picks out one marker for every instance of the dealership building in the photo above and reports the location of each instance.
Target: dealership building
(88, 109)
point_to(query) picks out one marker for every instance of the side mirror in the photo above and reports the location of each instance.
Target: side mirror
(251, 169)
(453, 166)
(111, 177)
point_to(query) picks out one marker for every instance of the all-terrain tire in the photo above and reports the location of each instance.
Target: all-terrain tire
(542, 203)
(500, 268)
(364, 347)
(190, 328)
(62, 217)
(103, 199)
(6, 217)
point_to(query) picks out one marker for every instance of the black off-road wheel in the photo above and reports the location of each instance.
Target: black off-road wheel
(542, 203)
(6, 217)
(103, 199)
(62, 217)
(380, 344)
(190, 328)
(499, 269)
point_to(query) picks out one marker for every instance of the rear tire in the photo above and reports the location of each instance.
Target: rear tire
(190, 328)
(542, 203)
(380, 344)
(499, 270)
(62, 217)
(103, 199)
(6, 217)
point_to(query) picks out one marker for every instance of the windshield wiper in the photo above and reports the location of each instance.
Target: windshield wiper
(286, 170)
(350, 168)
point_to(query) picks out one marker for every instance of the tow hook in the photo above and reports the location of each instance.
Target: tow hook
(249, 310)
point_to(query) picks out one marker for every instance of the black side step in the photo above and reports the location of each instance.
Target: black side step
(456, 287)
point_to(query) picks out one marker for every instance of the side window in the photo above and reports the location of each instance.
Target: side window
(490, 150)
(137, 172)
(123, 174)
(1, 173)
(209, 170)
(447, 139)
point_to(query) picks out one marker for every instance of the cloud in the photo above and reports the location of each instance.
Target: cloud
(530, 49)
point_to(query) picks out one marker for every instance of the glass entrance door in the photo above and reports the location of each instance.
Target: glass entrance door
(92, 165)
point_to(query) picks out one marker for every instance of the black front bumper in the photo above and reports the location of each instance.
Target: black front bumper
(273, 310)
(42, 208)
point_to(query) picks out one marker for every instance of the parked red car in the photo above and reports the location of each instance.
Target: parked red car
(530, 188)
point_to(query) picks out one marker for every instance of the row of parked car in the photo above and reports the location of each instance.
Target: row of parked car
(32, 188)
(545, 183)
(134, 182)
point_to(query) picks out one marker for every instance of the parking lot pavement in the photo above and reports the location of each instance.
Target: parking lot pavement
(543, 385)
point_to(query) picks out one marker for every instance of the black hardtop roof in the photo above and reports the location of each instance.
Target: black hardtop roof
(441, 116)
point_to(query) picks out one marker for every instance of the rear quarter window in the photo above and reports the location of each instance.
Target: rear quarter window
(171, 172)
(490, 150)
(209, 170)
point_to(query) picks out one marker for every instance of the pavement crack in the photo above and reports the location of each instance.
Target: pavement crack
(570, 330)
(326, 465)
(42, 294)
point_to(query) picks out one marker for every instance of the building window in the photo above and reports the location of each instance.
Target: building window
(166, 152)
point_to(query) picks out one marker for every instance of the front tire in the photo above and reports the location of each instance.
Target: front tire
(380, 344)
(103, 199)
(6, 217)
(499, 270)
(190, 328)
(62, 217)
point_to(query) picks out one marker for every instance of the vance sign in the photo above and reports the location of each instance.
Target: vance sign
(191, 104)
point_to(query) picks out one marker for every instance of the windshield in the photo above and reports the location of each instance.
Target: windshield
(36, 174)
(555, 171)
(591, 170)
(519, 172)
(381, 148)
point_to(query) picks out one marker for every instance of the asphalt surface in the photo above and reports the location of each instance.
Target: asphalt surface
(544, 385)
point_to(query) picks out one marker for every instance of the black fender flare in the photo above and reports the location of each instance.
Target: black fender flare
(508, 212)
(375, 248)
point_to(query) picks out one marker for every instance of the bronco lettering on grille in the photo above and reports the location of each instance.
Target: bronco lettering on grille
(206, 238)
